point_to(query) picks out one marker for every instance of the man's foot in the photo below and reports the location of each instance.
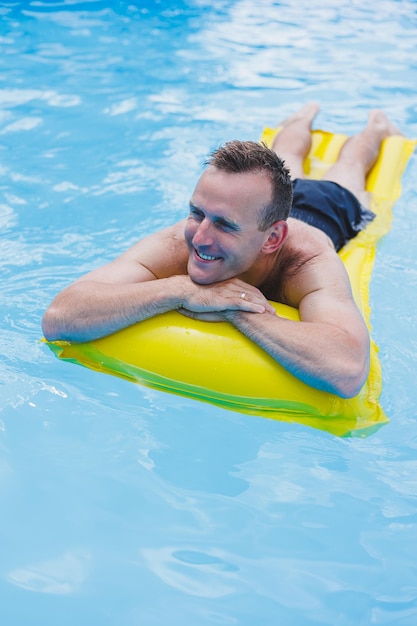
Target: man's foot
(293, 142)
(359, 154)
(307, 113)
(379, 122)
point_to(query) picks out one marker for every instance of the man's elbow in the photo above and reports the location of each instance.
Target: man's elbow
(350, 385)
(348, 391)
(50, 325)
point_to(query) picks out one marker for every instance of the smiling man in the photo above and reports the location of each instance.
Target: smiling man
(238, 248)
(237, 212)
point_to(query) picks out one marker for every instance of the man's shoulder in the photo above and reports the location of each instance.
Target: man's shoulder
(164, 252)
(172, 235)
(307, 262)
(306, 239)
(304, 247)
(173, 231)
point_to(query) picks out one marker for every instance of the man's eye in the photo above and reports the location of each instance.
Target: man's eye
(221, 226)
(196, 213)
(225, 226)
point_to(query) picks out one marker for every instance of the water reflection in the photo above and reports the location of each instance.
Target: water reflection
(63, 575)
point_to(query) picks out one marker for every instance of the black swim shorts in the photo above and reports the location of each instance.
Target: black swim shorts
(330, 207)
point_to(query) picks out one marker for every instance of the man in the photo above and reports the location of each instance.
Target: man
(237, 249)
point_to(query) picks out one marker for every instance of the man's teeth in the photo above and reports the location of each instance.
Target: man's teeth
(206, 257)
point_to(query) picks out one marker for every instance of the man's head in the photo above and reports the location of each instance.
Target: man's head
(237, 214)
(236, 157)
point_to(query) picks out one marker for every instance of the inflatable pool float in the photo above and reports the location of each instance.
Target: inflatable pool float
(214, 362)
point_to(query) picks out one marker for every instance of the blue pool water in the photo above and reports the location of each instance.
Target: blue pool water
(124, 506)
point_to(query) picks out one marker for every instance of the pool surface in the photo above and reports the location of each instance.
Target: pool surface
(125, 506)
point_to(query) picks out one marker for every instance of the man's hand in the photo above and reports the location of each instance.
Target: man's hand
(213, 302)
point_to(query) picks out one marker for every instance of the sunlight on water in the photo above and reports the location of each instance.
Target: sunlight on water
(123, 505)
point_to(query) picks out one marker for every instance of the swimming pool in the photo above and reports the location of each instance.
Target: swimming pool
(123, 505)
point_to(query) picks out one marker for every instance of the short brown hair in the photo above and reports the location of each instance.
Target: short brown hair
(236, 157)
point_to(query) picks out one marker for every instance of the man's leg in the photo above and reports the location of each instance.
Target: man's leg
(293, 142)
(359, 154)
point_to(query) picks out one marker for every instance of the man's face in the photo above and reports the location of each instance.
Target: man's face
(222, 231)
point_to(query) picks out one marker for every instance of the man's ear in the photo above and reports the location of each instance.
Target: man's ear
(277, 234)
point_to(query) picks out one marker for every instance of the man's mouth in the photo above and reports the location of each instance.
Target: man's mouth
(206, 257)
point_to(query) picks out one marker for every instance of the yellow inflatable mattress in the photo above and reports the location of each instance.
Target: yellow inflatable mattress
(215, 363)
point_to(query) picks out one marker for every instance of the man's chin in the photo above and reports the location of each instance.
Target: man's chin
(201, 278)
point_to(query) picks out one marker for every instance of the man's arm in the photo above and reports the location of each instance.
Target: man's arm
(325, 355)
(147, 280)
(328, 349)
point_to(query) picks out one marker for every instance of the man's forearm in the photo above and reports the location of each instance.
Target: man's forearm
(321, 355)
(87, 310)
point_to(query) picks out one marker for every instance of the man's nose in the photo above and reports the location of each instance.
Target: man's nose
(203, 235)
